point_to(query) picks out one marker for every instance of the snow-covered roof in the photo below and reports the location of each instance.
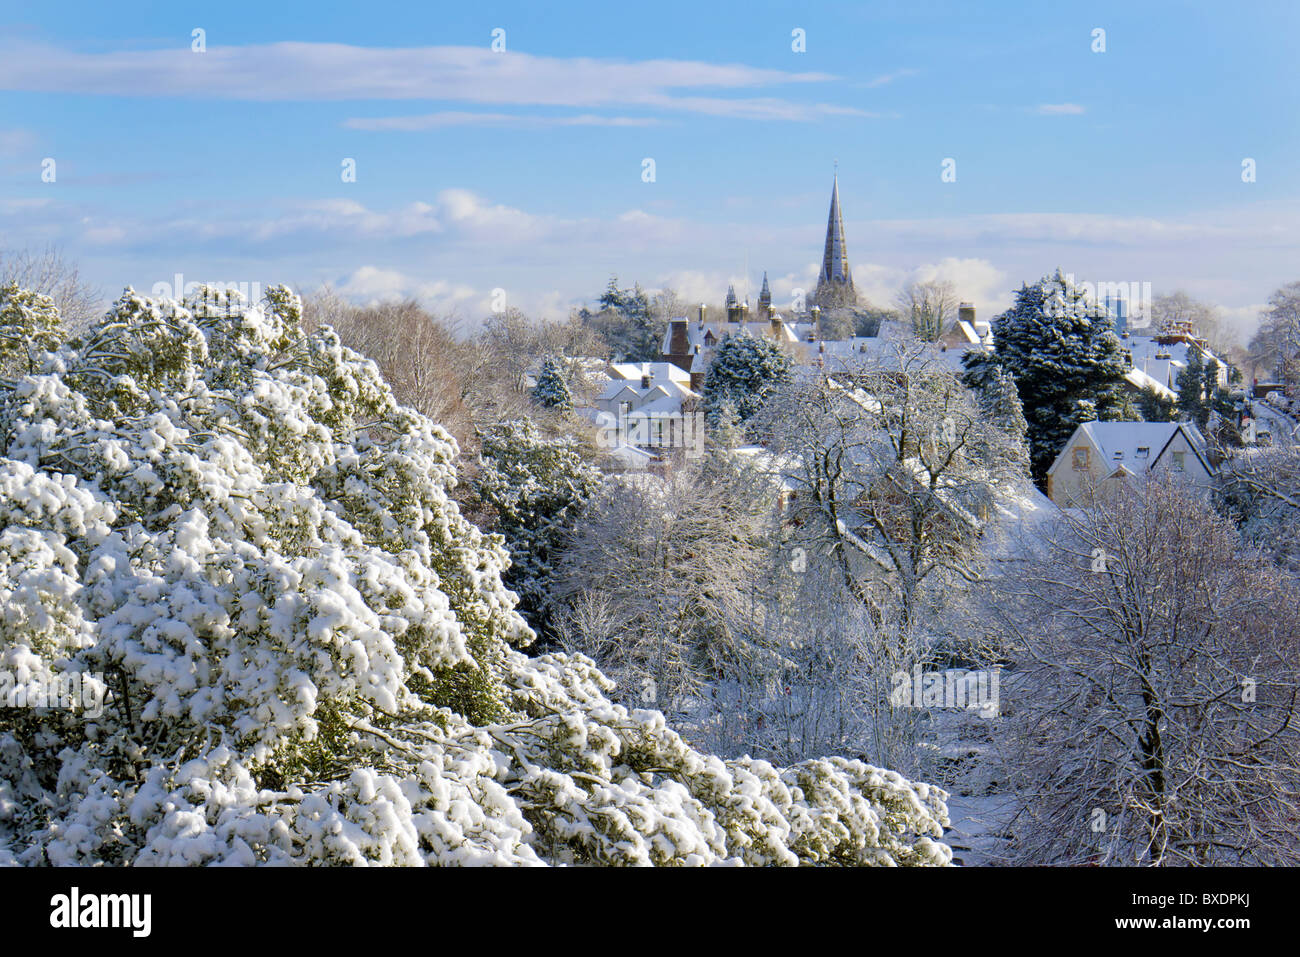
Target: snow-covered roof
(779, 468)
(1134, 445)
(977, 333)
(658, 371)
(665, 405)
(675, 390)
(1141, 380)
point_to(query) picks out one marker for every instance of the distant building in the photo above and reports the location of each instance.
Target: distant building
(646, 411)
(1100, 455)
(835, 281)
(689, 345)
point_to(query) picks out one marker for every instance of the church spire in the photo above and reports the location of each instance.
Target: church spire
(835, 281)
(765, 300)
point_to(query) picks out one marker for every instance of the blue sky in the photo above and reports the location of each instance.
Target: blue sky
(522, 170)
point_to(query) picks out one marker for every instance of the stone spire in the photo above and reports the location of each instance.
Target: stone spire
(835, 282)
(765, 300)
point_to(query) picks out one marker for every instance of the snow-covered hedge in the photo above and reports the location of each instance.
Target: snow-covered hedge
(308, 653)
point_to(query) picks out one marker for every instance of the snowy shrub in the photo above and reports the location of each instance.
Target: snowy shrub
(308, 652)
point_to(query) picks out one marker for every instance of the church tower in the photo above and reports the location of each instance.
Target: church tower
(765, 301)
(734, 311)
(835, 282)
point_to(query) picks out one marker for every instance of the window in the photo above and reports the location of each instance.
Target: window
(1080, 460)
(1180, 461)
(1119, 456)
(1144, 451)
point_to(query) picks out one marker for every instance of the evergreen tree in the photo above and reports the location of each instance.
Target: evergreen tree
(1191, 390)
(1067, 363)
(1000, 402)
(536, 487)
(1155, 407)
(551, 389)
(627, 323)
(745, 370)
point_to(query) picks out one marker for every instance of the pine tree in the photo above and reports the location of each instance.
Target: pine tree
(627, 323)
(1155, 407)
(1000, 402)
(536, 487)
(551, 390)
(1067, 363)
(745, 370)
(1191, 390)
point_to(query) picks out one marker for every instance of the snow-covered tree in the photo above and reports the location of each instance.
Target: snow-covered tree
(551, 390)
(928, 306)
(744, 372)
(627, 322)
(896, 470)
(678, 559)
(1060, 348)
(47, 272)
(1000, 403)
(1260, 493)
(536, 488)
(1275, 347)
(1155, 708)
(230, 527)
(1192, 400)
(29, 325)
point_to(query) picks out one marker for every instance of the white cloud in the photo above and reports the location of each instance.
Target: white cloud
(336, 71)
(1060, 109)
(431, 121)
(886, 78)
(369, 285)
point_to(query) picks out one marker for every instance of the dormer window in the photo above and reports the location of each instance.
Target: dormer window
(1144, 452)
(1119, 456)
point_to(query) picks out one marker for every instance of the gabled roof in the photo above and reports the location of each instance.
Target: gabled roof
(1118, 443)
(658, 371)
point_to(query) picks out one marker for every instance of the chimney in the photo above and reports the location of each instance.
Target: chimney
(966, 313)
(702, 307)
(678, 342)
(646, 375)
(775, 324)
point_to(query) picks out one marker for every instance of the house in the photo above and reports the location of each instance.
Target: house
(648, 406)
(1100, 454)
(634, 386)
(689, 346)
(1162, 358)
